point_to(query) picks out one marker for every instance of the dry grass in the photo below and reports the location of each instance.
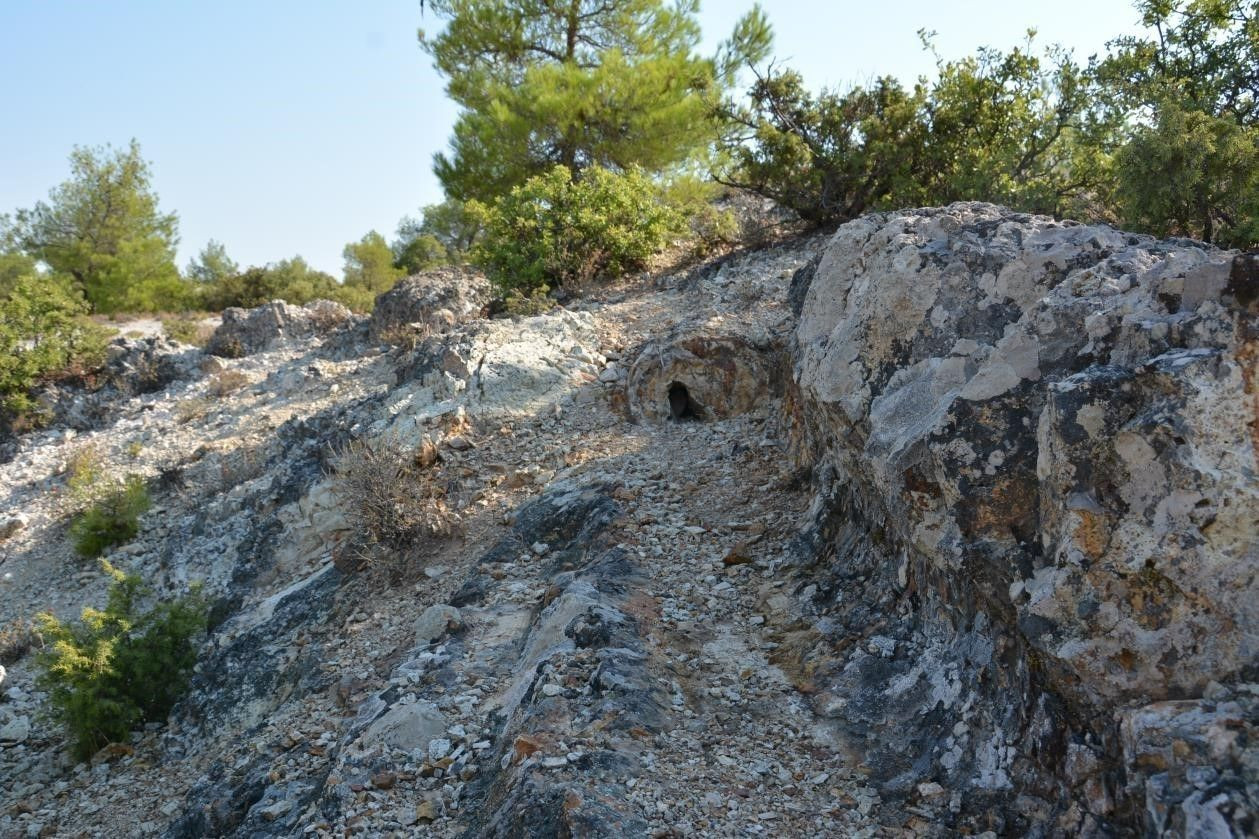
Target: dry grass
(394, 497)
(226, 382)
(17, 638)
(191, 409)
(407, 336)
(188, 329)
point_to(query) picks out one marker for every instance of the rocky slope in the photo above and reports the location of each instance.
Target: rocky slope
(944, 525)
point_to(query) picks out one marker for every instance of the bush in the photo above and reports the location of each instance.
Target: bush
(112, 520)
(43, 333)
(291, 280)
(1192, 174)
(394, 499)
(83, 475)
(188, 329)
(1010, 127)
(17, 637)
(559, 230)
(225, 383)
(118, 667)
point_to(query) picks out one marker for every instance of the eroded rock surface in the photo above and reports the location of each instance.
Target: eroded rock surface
(433, 300)
(247, 331)
(1041, 446)
(961, 542)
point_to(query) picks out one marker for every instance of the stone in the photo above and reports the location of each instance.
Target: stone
(274, 810)
(16, 730)
(247, 331)
(435, 622)
(406, 727)
(427, 810)
(460, 443)
(1056, 417)
(698, 377)
(438, 748)
(10, 525)
(436, 300)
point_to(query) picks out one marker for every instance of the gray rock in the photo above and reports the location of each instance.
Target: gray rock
(435, 622)
(10, 525)
(15, 730)
(434, 300)
(699, 377)
(247, 331)
(1042, 433)
(407, 727)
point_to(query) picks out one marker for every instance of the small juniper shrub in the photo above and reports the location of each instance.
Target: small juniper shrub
(84, 473)
(536, 302)
(121, 666)
(112, 519)
(395, 501)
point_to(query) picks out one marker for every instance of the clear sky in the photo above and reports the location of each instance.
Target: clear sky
(283, 127)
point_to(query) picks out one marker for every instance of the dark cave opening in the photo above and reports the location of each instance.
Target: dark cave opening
(682, 406)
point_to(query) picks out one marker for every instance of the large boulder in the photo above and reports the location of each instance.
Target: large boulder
(247, 331)
(699, 376)
(435, 300)
(1050, 429)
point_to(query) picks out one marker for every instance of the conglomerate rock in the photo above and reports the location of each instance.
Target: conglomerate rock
(1041, 509)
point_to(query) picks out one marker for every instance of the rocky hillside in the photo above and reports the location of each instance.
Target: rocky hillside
(946, 524)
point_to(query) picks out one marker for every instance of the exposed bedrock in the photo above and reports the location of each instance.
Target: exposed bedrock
(1035, 544)
(700, 376)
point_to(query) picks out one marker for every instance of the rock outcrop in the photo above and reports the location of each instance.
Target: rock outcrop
(1037, 446)
(247, 331)
(434, 300)
(700, 377)
(952, 534)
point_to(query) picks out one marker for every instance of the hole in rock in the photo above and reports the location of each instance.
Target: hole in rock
(681, 405)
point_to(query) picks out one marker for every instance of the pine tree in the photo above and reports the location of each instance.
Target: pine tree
(579, 83)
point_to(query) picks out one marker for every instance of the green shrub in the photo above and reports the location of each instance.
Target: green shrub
(43, 333)
(118, 667)
(559, 230)
(112, 519)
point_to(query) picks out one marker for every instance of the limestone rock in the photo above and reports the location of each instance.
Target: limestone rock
(700, 377)
(247, 331)
(1042, 433)
(436, 299)
(15, 730)
(435, 622)
(407, 727)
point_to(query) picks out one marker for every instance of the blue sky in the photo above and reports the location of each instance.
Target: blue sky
(281, 127)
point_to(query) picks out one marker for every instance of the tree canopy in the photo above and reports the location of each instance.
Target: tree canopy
(369, 265)
(103, 228)
(579, 83)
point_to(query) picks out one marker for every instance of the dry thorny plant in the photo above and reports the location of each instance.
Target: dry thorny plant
(396, 503)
